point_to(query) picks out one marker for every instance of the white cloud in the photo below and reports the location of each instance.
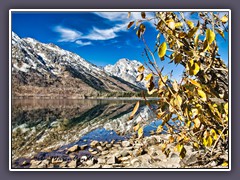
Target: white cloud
(81, 43)
(67, 35)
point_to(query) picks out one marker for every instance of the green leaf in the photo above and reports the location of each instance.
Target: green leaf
(210, 36)
(162, 49)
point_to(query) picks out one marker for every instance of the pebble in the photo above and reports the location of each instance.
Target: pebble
(101, 160)
(96, 166)
(111, 160)
(105, 153)
(83, 147)
(72, 164)
(107, 166)
(94, 143)
(125, 143)
(73, 148)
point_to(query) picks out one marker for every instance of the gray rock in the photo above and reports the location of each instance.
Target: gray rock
(94, 152)
(100, 148)
(107, 166)
(135, 162)
(73, 148)
(72, 164)
(84, 158)
(89, 162)
(125, 143)
(42, 165)
(63, 164)
(83, 147)
(101, 161)
(56, 160)
(108, 145)
(96, 166)
(94, 143)
(111, 160)
(105, 153)
(124, 153)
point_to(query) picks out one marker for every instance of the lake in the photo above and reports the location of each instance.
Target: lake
(46, 125)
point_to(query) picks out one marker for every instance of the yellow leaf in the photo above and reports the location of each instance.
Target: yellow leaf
(143, 14)
(226, 108)
(175, 86)
(190, 24)
(196, 145)
(194, 112)
(141, 69)
(192, 32)
(171, 139)
(178, 58)
(130, 24)
(150, 85)
(162, 49)
(213, 134)
(140, 132)
(179, 24)
(149, 77)
(196, 39)
(224, 19)
(197, 123)
(220, 32)
(150, 92)
(171, 24)
(159, 129)
(165, 78)
(195, 83)
(182, 152)
(135, 128)
(139, 77)
(202, 94)
(134, 110)
(163, 147)
(225, 164)
(178, 101)
(210, 36)
(196, 68)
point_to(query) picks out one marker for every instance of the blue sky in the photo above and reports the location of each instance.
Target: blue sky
(99, 37)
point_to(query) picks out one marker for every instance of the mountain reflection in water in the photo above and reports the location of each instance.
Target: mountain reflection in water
(45, 125)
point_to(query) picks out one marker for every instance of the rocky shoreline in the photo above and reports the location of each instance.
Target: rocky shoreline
(132, 153)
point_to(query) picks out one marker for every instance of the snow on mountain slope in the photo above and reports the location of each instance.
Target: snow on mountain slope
(47, 65)
(127, 70)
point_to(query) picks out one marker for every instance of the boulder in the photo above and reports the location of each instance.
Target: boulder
(73, 148)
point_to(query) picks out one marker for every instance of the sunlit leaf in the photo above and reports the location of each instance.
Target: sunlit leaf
(190, 24)
(162, 49)
(192, 32)
(221, 33)
(143, 14)
(195, 83)
(197, 123)
(175, 86)
(179, 24)
(202, 94)
(196, 39)
(171, 24)
(196, 145)
(224, 19)
(167, 152)
(182, 152)
(178, 101)
(134, 110)
(140, 132)
(141, 69)
(135, 128)
(213, 134)
(163, 147)
(129, 14)
(210, 36)
(225, 164)
(195, 112)
(149, 77)
(159, 129)
(139, 77)
(130, 24)
(171, 139)
(226, 108)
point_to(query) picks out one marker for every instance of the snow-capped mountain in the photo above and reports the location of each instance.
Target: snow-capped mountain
(39, 68)
(127, 70)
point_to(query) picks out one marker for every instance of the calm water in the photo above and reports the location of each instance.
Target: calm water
(45, 125)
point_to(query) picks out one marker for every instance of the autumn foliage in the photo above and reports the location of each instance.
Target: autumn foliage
(194, 110)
